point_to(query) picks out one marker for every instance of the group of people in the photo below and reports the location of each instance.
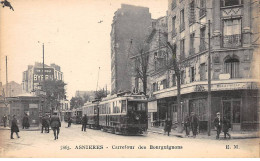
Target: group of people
(222, 124)
(53, 122)
(191, 123)
(84, 122)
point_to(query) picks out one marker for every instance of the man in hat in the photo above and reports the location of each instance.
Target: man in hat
(194, 123)
(55, 125)
(218, 124)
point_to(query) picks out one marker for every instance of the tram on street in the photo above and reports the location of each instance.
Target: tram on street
(77, 116)
(123, 113)
(68, 114)
(92, 111)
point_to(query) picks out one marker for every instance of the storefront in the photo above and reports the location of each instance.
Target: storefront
(25, 104)
(237, 101)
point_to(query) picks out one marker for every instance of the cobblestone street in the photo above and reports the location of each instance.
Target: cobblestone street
(102, 144)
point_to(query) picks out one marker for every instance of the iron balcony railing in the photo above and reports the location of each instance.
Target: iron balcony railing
(174, 33)
(203, 47)
(202, 12)
(232, 40)
(182, 26)
(173, 4)
(192, 51)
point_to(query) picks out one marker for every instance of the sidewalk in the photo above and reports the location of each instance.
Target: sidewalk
(234, 134)
(32, 128)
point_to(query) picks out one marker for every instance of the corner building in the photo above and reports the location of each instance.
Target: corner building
(129, 28)
(234, 39)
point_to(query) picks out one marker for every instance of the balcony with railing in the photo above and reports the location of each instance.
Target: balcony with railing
(173, 4)
(192, 51)
(182, 27)
(202, 12)
(232, 40)
(192, 19)
(174, 33)
(203, 47)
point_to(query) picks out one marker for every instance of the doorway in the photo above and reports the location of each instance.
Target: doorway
(232, 110)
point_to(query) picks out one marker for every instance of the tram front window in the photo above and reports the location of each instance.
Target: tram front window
(136, 106)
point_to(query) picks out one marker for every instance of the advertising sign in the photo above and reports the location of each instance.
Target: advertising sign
(38, 74)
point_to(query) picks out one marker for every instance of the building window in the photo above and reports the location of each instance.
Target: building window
(225, 3)
(155, 87)
(182, 77)
(232, 67)
(192, 74)
(174, 30)
(182, 22)
(173, 80)
(136, 84)
(164, 84)
(192, 49)
(182, 49)
(202, 72)
(232, 33)
(155, 61)
(192, 18)
(202, 8)
(202, 39)
(173, 4)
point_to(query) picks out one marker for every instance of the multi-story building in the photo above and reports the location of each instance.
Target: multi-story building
(129, 28)
(32, 83)
(13, 89)
(157, 55)
(233, 39)
(33, 76)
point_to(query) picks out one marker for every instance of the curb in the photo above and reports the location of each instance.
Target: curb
(31, 129)
(204, 137)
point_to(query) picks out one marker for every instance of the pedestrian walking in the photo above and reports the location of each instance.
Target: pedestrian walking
(187, 125)
(55, 125)
(46, 123)
(25, 122)
(218, 124)
(69, 121)
(4, 120)
(14, 128)
(168, 126)
(84, 122)
(226, 126)
(194, 122)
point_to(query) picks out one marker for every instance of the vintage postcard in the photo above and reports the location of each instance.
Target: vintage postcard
(129, 79)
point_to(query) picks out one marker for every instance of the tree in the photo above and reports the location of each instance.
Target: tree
(100, 94)
(76, 102)
(176, 69)
(141, 66)
(55, 91)
(86, 98)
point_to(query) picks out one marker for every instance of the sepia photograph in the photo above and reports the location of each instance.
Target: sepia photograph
(129, 78)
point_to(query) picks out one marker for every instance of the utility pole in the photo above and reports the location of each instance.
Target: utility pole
(6, 76)
(43, 71)
(43, 83)
(97, 79)
(209, 82)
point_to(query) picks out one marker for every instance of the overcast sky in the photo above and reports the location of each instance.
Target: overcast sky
(72, 35)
